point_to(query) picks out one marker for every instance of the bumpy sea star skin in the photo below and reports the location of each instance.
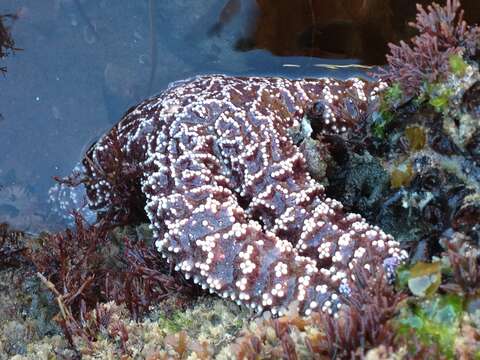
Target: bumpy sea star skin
(227, 192)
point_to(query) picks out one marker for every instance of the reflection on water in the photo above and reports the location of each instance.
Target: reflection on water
(357, 29)
(85, 62)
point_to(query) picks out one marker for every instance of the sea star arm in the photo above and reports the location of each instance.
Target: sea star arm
(210, 236)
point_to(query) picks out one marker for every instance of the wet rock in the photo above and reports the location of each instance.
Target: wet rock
(473, 145)
(443, 144)
(471, 100)
(467, 217)
(360, 183)
(428, 178)
(26, 312)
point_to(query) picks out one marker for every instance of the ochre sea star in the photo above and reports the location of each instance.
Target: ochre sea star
(228, 194)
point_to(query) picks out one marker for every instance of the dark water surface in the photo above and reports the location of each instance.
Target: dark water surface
(84, 62)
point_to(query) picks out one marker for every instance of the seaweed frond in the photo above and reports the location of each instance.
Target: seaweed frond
(443, 35)
(364, 323)
(88, 265)
(465, 269)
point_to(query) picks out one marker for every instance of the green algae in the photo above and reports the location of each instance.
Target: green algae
(457, 65)
(434, 321)
(439, 96)
(390, 99)
(439, 318)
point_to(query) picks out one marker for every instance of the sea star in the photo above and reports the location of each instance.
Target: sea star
(228, 194)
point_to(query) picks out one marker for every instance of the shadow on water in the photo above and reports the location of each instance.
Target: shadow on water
(86, 61)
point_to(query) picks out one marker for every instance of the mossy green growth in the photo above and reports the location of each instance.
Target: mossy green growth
(439, 96)
(179, 321)
(391, 99)
(393, 95)
(401, 279)
(380, 122)
(434, 321)
(457, 65)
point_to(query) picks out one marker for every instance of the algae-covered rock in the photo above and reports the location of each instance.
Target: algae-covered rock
(360, 183)
(26, 312)
(199, 331)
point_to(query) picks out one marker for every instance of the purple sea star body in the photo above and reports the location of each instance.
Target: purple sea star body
(228, 194)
